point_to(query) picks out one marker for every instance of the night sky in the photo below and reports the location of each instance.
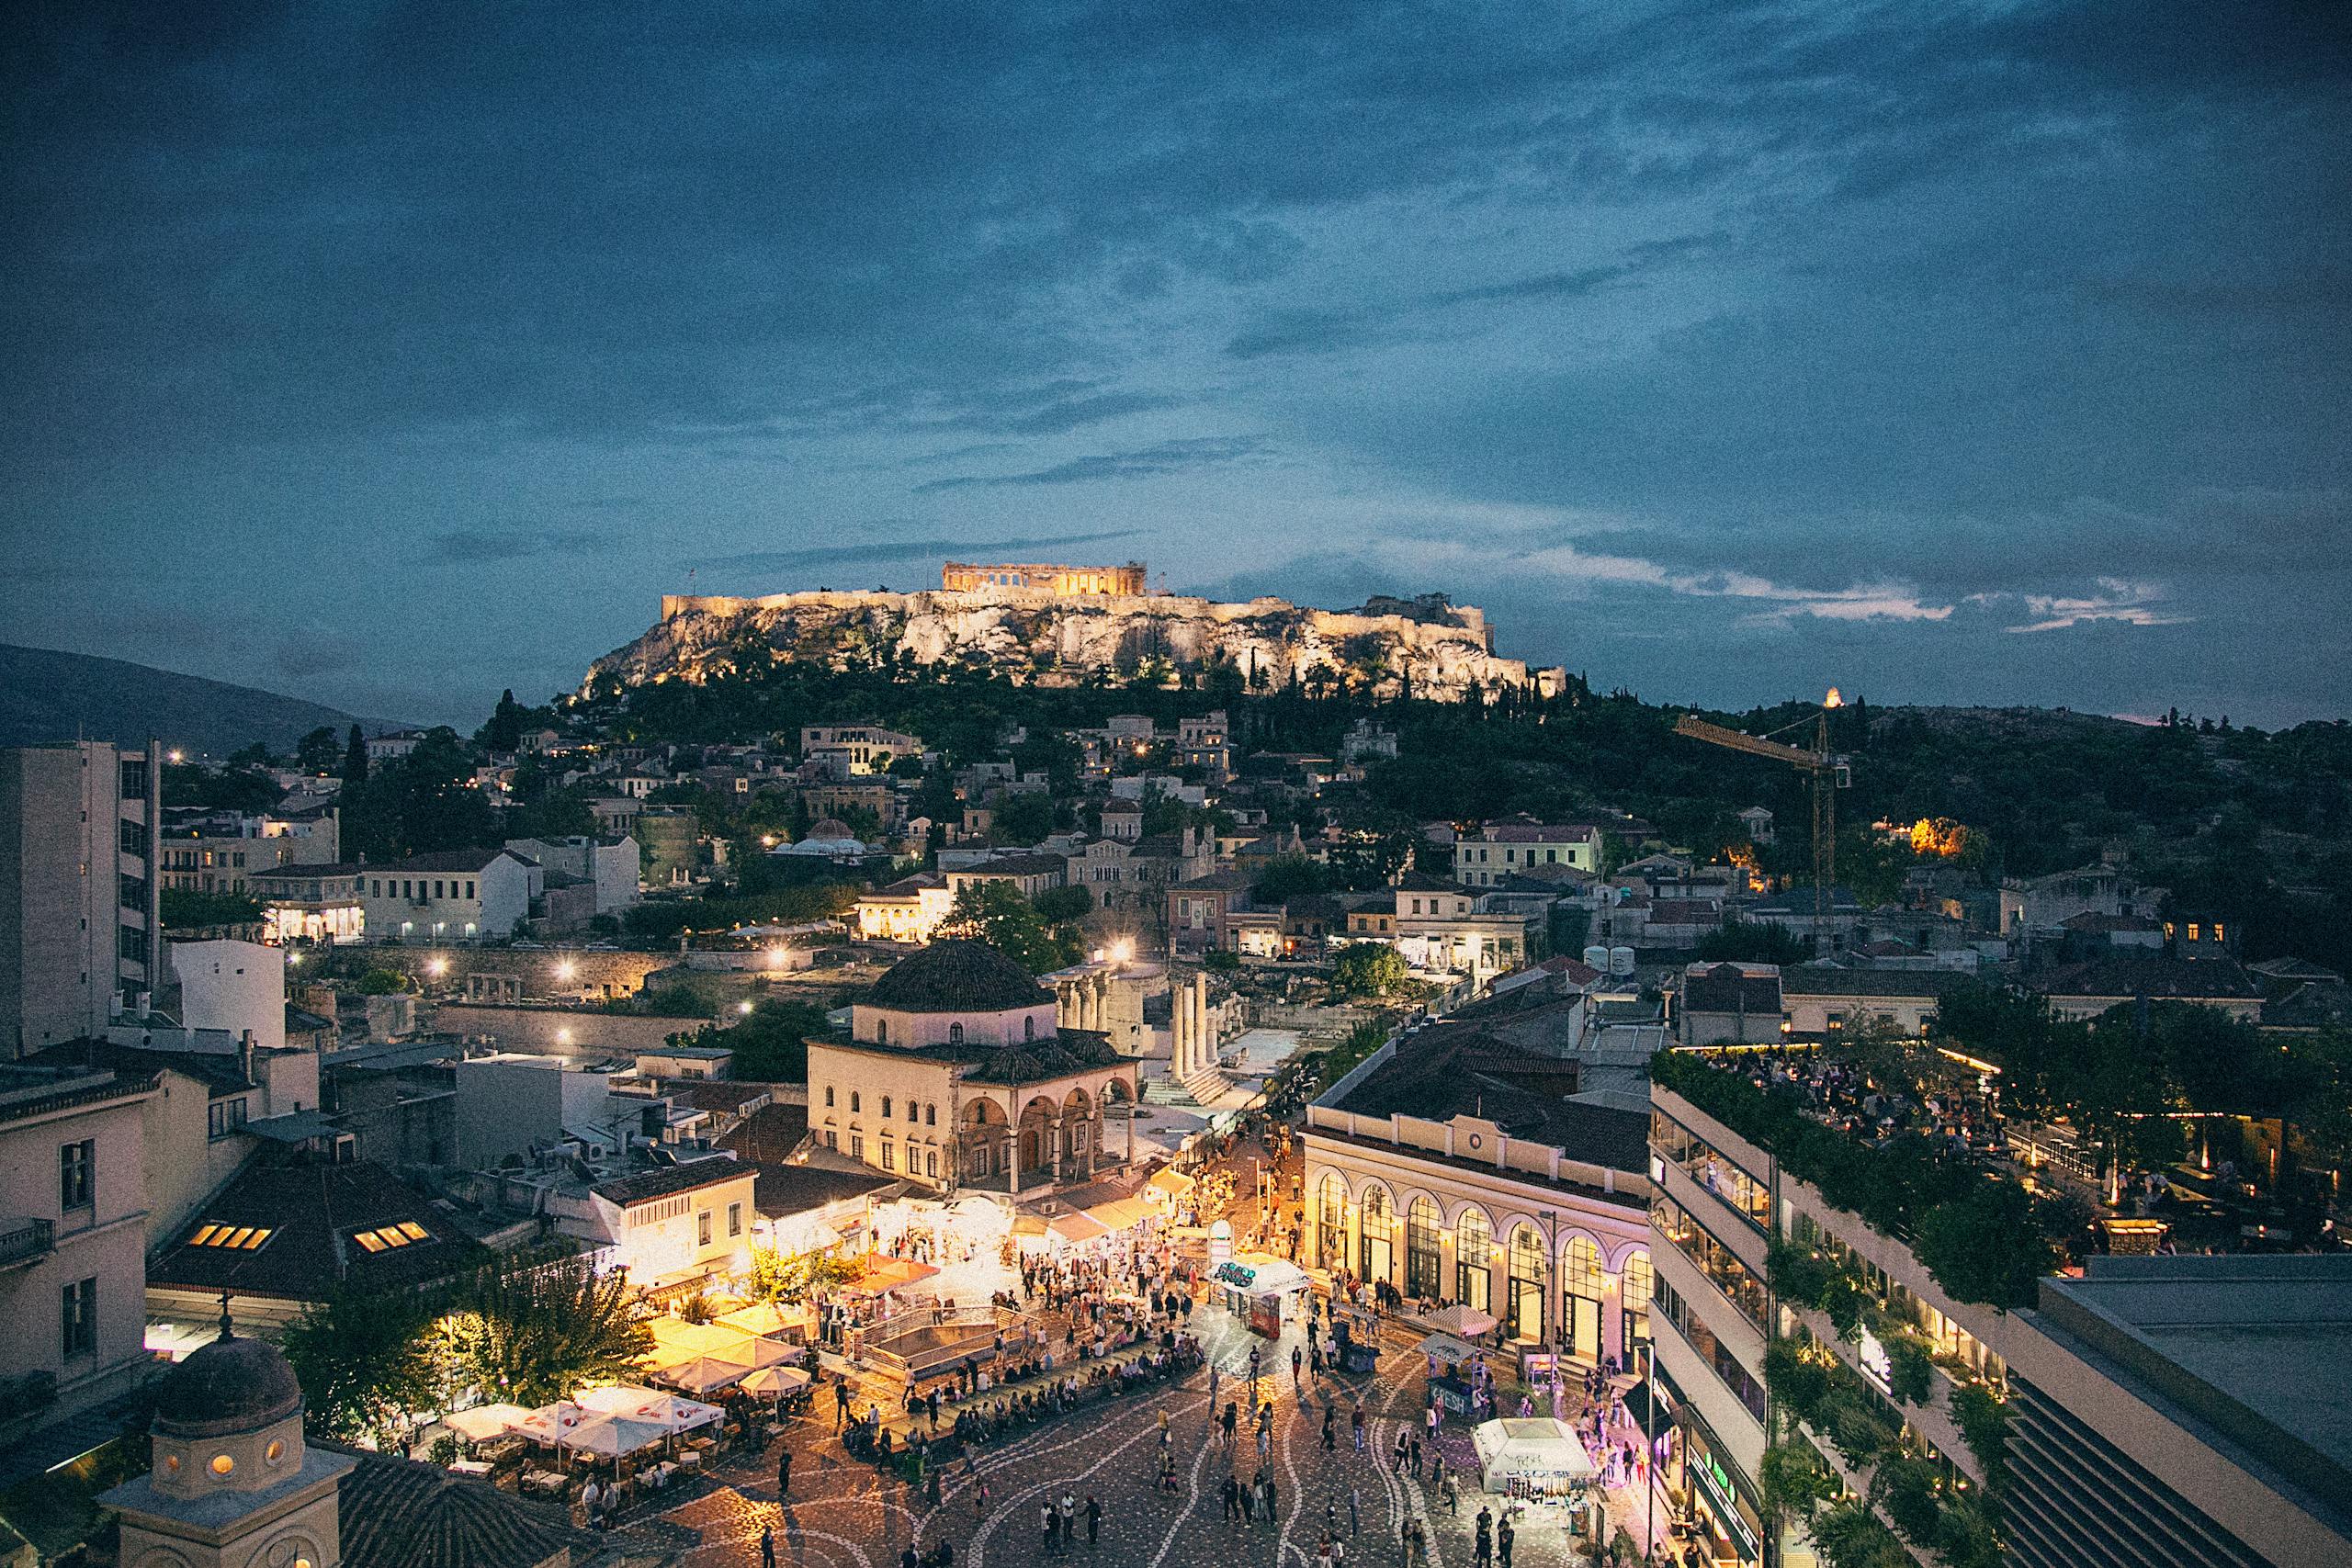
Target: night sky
(1950, 353)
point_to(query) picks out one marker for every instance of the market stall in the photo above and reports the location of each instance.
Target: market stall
(1534, 1458)
(1461, 1322)
(1266, 1291)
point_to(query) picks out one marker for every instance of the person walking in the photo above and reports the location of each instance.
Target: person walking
(1232, 1496)
(1355, 1510)
(1249, 1504)
(1266, 1495)
(1048, 1524)
(1093, 1521)
(767, 1546)
(783, 1473)
(1232, 1420)
(1355, 1424)
(1503, 1535)
(1482, 1547)
(1069, 1519)
(1402, 1443)
(1417, 1453)
(1330, 1429)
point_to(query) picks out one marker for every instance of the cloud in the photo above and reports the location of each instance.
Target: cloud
(1164, 457)
(902, 549)
(2126, 604)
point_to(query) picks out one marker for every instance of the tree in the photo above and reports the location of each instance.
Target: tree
(1369, 969)
(382, 983)
(316, 752)
(184, 909)
(365, 1359)
(1986, 1247)
(1061, 906)
(1286, 877)
(355, 758)
(535, 1331)
(771, 1045)
(504, 731)
(997, 913)
(1751, 942)
(1022, 818)
(795, 1277)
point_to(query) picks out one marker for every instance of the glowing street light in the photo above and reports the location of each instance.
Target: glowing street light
(437, 967)
(175, 756)
(566, 970)
(744, 1007)
(1122, 950)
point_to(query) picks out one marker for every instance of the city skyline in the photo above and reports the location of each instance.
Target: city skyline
(2000, 358)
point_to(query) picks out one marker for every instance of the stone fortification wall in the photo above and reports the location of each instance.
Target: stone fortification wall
(596, 975)
(1446, 653)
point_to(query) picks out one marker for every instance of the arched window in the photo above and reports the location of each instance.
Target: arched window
(1029, 1028)
(954, 1035)
(1331, 1221)
(1421, 1249)
(1581, 1269)
(886, 1108)
(1473, 1250)
(1376, 1255)
(930, 1114)
(911, 1111)
(829, 1097)
(853, 1103)
(1523, 1303)
(881, 1031)
(1641, 1284)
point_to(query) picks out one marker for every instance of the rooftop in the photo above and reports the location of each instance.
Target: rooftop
(663, 1181)
(957, 976)
(305, 1222)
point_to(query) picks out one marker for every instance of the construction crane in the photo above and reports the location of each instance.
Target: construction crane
(1829, 772)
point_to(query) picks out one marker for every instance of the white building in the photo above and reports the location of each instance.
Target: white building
(613, 864)
(238, 988)
(456, 896)
(1502, 850)
(392, 745)
(511, 1105)
(1452, 1171)
(311, 903)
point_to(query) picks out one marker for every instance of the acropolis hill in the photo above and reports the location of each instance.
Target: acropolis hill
(1058, 624)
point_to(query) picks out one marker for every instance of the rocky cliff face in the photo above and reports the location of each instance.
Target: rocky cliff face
(1444, 650)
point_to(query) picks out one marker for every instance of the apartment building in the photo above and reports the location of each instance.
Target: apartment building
(456, 896)
(79, 894)
(1503, 849)
(2151, 1408)
(73, 1241)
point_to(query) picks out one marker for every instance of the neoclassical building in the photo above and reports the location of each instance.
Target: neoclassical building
(957, 1073)
(1459, 1167)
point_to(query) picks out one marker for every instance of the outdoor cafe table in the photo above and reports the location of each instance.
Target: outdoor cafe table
(469, 1467)
(546, 1480)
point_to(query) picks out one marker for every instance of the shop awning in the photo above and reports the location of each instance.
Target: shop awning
(1532, 1448)
(1167, 1179)
(879, 1273)
(1077, 1227)
(485, 1422)
(1122, 1214)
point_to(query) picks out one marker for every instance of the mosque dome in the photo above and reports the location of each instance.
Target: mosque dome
(957, 976)
(229, 1386)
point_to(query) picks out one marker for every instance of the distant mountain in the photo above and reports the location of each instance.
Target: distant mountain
(47, 696)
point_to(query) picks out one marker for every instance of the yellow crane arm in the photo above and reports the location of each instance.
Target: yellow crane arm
(1715, 734)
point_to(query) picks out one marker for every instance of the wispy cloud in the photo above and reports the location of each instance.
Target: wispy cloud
(2128, 604)
(1163, 457)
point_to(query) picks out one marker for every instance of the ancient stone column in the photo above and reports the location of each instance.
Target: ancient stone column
(1054, 1138)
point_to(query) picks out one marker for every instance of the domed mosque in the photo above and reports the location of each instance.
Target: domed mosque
(234, 1485)
(955, 1074)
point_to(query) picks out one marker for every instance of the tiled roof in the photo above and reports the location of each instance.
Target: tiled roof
(447, 860)
(218, 1072)
(1827, 980)
(397, 1513)
(663, 1181)
(2156, 976)
(768, 1134)
(312, 1212)
(1452, 1071)
(957, 976)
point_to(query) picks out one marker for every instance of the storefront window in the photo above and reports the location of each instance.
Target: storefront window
(1640, 1283)
(1377, 1256)
(1523, 1304)
(1474, 1246)
(1582, 1281)
(1421, 1249)
(1331, 1223)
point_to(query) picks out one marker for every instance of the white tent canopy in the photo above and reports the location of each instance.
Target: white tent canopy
(1536, 1449)
(485, 1422)
(636, 1403)
(611, 1437)
(1462, 1322)
(701, 1374)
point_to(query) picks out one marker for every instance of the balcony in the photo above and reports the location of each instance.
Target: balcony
(25, 1241)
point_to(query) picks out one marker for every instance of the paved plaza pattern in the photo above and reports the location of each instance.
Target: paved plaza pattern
(844, 1513)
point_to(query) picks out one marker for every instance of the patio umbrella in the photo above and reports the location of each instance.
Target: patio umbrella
(701, 1374)
(759, 1318)
(612, 1436)
(549, 1423)
(621, 1399)
(675, 1413)
(485, 1422)
(774, 1380)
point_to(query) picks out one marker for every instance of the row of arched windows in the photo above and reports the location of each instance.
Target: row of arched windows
(928, 1109)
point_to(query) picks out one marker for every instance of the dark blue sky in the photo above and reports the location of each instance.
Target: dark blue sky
(1952, 352)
